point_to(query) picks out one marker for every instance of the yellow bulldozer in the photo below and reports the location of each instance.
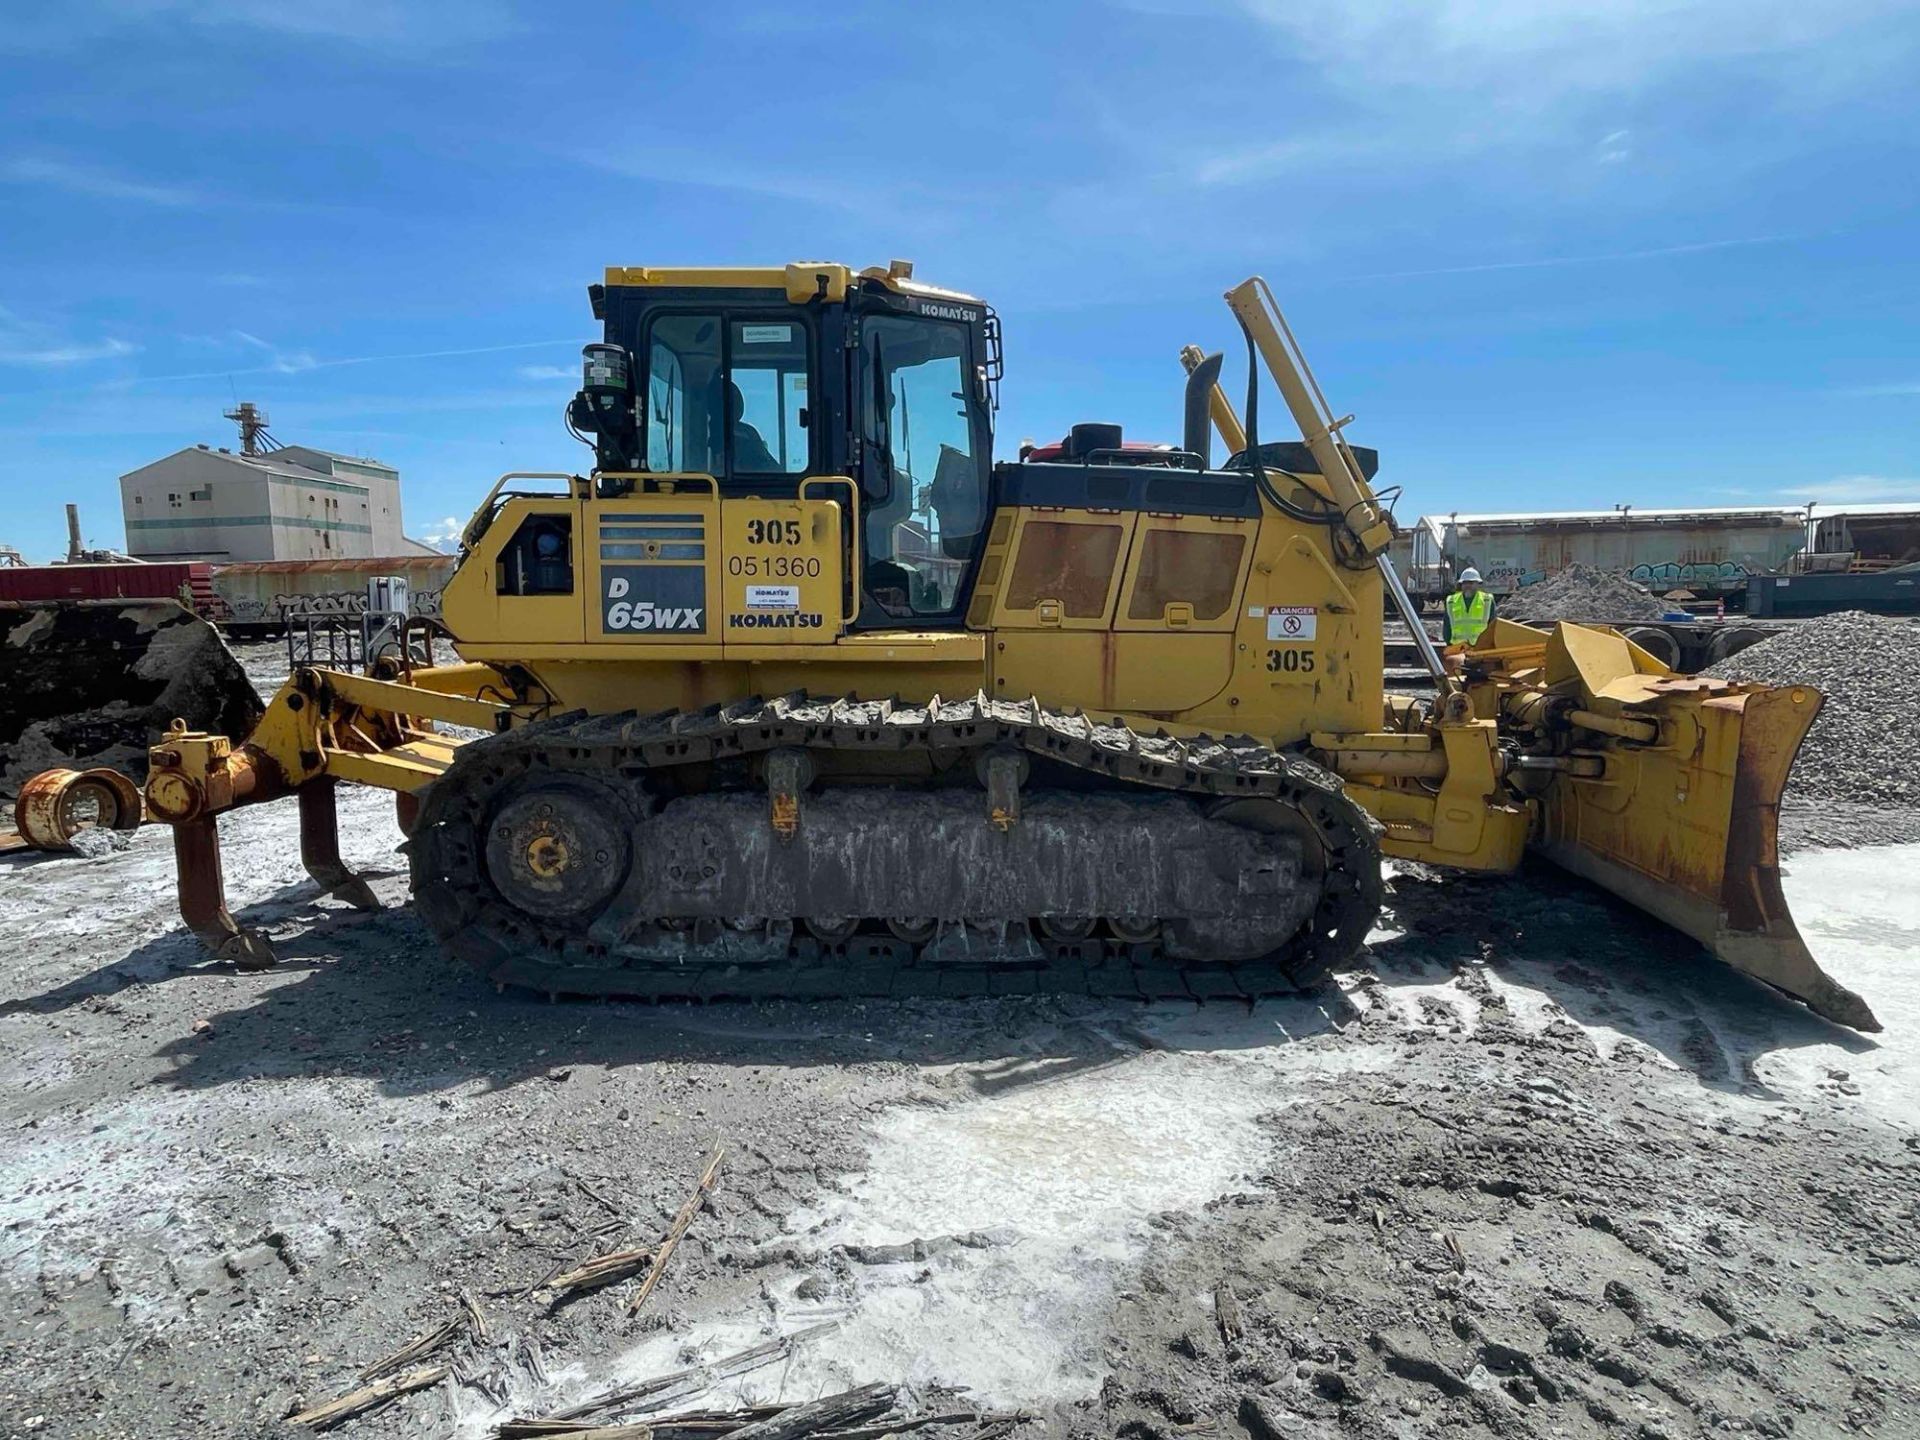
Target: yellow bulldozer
(798, 692)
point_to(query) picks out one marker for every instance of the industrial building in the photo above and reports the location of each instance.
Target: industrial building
(265, 501)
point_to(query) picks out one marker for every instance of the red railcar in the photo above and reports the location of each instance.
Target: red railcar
(189, 580)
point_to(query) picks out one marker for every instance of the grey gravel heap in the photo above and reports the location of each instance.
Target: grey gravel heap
(1580, 592)
(1868, 666)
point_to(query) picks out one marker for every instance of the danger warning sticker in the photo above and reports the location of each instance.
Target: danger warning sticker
(1292, 622)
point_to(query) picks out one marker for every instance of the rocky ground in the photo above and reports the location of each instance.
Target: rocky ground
(1537, 1168)
(1580, 592)
(1868, 668)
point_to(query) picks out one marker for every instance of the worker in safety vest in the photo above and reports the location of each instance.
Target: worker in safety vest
(1469, 610)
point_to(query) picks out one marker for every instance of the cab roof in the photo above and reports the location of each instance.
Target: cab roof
(803, 280)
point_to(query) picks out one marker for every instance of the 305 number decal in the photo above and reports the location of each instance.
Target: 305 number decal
(773, 532)
(1295, 661)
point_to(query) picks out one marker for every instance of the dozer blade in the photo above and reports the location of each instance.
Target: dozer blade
(1687, 828)
(93, 683)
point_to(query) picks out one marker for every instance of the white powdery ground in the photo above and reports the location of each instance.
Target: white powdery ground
(1069, 1171)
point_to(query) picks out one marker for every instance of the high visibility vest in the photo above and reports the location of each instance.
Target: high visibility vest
(1466, 619)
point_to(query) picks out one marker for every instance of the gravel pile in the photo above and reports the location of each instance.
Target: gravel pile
(1580, 592)
(1868, 666)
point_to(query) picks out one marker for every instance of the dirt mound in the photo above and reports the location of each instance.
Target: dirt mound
(1868, 667)
(95, 682)
(1580, 592)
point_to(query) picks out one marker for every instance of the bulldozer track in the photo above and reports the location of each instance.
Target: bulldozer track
(615, 757)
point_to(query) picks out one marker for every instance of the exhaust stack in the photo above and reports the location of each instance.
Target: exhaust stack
(1197, 429)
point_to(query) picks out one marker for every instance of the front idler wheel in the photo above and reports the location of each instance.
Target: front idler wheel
(557, 850)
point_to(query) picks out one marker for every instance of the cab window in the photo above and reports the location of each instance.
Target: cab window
(920, 412)
(727, 397)
(769, 397)
(685, 380)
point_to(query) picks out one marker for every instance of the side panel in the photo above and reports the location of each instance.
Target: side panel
(1063, 568)
(781, 563)
(1308, 648)
(651, 569)
(480, 604)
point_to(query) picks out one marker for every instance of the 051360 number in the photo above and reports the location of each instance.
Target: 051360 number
(1294, 661)
(773, 532)
(775, 567)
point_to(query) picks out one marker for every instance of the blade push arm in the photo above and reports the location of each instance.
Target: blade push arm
(1253, 306)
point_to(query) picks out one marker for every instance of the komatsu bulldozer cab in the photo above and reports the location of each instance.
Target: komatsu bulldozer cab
(809, 382)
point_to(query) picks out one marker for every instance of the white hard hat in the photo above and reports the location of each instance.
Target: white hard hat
(1469, 575)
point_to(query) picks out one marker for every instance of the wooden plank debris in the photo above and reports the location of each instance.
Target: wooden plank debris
(417, 1348)
(565, 1422)
(678, 1229)
(1226, 1314)
(986, 1423)
(600, 1271)
(829, 1412)
(593, 1194)
(368, 1397)
(687, 1425)
(477, 1316)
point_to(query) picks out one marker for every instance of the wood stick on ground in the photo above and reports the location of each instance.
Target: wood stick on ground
(918, 1422)
(368, 1397)
(477, 1315)
(826, 1413)
(708, 1371)
(417, 1348)
(685, 1425)
(601, 1270)
(675, 1231)
(542, 1283)
(593, 1194)
(708, 1425)
(1226, 1314)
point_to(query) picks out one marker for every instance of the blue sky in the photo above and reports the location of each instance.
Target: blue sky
(1551, 254)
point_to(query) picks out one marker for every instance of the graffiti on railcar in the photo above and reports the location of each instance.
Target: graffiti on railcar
(283, 606)
(348, 602)
(1696, 574)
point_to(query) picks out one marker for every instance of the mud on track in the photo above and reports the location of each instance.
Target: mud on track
(1538, 1168)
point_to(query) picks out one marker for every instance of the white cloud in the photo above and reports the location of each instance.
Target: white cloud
(64, 354)
(282, 362)
(27, 343)
(443, 535)
(547, 372)
(1505, 50)
(300, 361)
(1857, 490)
(88, 180)
(1420, 80)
